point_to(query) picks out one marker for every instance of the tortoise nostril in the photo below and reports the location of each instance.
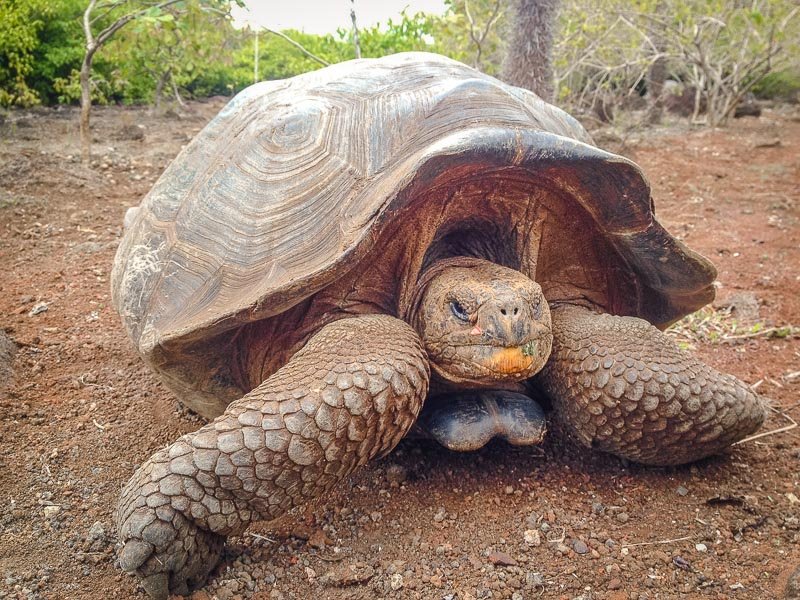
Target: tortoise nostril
(503, 311)
(516, 310)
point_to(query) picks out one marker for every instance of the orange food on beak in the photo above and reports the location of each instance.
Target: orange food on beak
(510, 360)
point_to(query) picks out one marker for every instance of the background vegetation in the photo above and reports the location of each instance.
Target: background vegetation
(604, 50)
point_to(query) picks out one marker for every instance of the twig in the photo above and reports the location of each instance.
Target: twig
(784, 332)
(299, 46)
(681, 539)
(263, 538)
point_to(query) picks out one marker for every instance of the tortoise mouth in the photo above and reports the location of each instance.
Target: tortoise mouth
(467, 421)
(484, 364)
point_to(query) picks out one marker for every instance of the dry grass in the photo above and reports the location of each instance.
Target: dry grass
(718, 326)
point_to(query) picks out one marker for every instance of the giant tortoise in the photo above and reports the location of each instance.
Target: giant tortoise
(335, 248)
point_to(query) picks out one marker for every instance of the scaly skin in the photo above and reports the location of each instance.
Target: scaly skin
(357, 386)
(349, 395)
(624, 387)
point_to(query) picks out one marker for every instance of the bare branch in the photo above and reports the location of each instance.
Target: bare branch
(321, 61)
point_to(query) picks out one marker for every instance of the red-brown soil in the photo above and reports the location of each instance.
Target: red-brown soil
(81, 411)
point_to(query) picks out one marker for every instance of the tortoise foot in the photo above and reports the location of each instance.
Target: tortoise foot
(165, 549)
(624, 387)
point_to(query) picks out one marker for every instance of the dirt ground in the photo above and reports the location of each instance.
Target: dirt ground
(79, 410)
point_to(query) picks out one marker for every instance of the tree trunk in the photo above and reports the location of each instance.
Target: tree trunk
(356, 39)
(177, 93)
(657, 73)
(159, 93)
(86, 107)
(656, 76)
(528, 61)
(255, 57)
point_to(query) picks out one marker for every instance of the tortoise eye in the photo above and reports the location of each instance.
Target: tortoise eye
(459, 311)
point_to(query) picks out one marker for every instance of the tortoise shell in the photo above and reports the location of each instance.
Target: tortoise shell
(297, 182)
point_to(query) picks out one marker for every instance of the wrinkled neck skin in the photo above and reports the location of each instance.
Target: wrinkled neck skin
(483, 325)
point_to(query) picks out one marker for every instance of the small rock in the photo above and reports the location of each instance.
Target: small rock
(354, 574)
(51, 511)
(396, 581)
(623, 517)
(501, 559)
(509, 490)
(97, 531)
(598, 508)
(532, 537)
(440, 515)
(87, 248)
(681, 491)
(532, 520)
(8, 350)
(743, 306)
(38, 308)
(319, 540)
(396, 474)
(701, 547)
(533, 579)
(580, 547)
(615, 584)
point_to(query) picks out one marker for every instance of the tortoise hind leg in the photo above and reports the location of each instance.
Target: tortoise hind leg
(349, 395)
(624, 387)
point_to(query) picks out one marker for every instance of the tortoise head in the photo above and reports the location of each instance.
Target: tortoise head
(481, 323)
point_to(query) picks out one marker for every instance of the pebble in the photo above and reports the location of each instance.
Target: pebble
(440, 515)
(701, 547)
(623, 517)
(51, 511)
(501, 559)
(532, 537)
(396, 474)
(682, 491)
(533, 579)
(97, 531)
(38, 308)
(396, 582)
(353, 574)
(580, 547)
(615, 584)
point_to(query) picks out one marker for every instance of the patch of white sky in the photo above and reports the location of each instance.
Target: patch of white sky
(326, 16)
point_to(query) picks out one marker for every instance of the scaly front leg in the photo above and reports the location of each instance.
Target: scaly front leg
(624, 387)
(348, 396)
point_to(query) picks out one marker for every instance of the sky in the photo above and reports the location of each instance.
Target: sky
(325, 16)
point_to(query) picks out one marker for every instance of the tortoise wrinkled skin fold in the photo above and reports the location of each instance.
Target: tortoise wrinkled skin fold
(393, 246)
